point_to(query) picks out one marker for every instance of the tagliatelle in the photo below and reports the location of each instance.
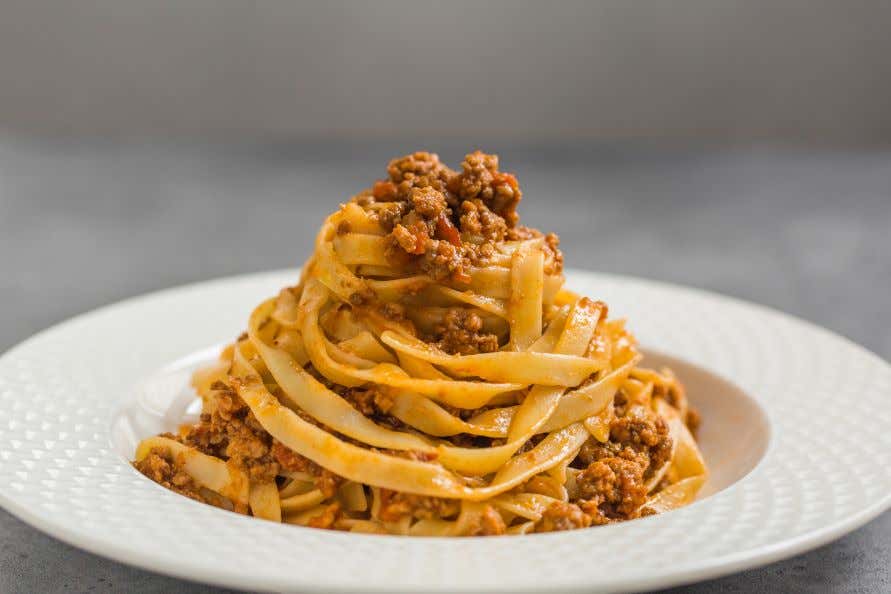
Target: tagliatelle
(526, 367)
(208, 471)
(429, 375)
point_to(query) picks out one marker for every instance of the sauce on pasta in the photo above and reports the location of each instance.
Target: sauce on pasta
(429, 374)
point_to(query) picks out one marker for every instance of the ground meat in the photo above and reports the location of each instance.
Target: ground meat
(522, 233)
(417, 170)
(481, 223)
(343, 227)
(233, 433)
(490, 524)
(160, 466)
(478, 255)
(326, 481)
(553, 255)
(443, 260)
(613, 484)
(693, 420)
(290, 460)
(383, 401)
(391, 213)
(396, 505)
(648, 436)
(327, 518)
(671, 391)
(369, 401)
(613, 488)
(412, 238)
(383, 191)
(460, 333)
(445, 221)
(562, 516)
(643, 433)
(423, 223)
(480, 178)
(428, 203)
(375, 402)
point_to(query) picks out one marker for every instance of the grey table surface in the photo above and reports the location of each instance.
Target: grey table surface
(86, 224)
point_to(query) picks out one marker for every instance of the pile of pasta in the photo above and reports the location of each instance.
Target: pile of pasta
(549, 388)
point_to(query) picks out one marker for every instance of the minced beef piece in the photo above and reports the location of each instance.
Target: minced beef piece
(421, 226)
(160, 466)
(670, 391)
(443, 260)
(326, 481)
(643, 433)
(553, 255)
(232, 432)
(562, 516)
(480, 178)
(292, 461)
(481, 223)
(460, 333)
(648, 436)
(375, 402)
(369, 401)
(327, 518)
(428, 203)
(412, 238)
(522, 233)
(396, 505)
(416, 170)
(613, 488)
(490, 524)
(613, 485)
(621, 403)
(693, 420)
(390, 213)
(479, 254)
(343, 227)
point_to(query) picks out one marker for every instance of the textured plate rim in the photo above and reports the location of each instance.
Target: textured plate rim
(699, 569)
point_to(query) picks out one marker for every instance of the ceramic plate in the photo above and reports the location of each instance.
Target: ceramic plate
(796, 432)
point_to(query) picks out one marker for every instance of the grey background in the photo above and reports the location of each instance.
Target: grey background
(739, 146)
(85, 224)
(791, 71)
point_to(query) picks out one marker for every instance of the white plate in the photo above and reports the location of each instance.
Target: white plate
(797, 432)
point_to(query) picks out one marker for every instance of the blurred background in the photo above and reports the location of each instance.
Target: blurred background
(738, 146)
(786, 71)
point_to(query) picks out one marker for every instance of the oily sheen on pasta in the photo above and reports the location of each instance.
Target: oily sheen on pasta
(430, 375)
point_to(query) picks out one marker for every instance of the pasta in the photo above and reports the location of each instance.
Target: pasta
(430, 375)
